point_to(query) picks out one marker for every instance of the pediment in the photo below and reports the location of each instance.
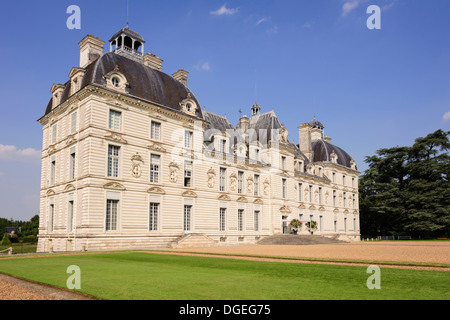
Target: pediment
(69, 187)
(51, 192)
(157, 190)
(224, 197)
(189, 194)
(285, 209)
(321, 208)
(114, 186)
(242, 199)
(258, 201)
(312, 207)
(302, 206)
(336, 210)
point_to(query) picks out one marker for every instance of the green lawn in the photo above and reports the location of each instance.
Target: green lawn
(145, 276)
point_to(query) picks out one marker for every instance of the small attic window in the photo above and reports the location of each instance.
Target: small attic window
(115, 81)
(188, 107)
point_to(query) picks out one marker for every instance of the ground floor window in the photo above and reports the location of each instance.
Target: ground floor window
(154, 212)
(111, 214)
(256, 220)
(187, 218)
(240, 220)
(222, 219)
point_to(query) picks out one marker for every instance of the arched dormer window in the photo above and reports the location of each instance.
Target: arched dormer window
(116, 80)
(189, 106)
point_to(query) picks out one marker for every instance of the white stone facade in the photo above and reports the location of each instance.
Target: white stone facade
(122, 172)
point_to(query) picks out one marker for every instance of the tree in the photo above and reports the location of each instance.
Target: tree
(406, 189)
(5, 241)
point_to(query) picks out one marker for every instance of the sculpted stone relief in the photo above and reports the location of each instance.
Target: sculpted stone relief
(136, 162)
(173, 175)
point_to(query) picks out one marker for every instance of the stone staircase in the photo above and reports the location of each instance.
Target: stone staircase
(291, 239)
(193, 240)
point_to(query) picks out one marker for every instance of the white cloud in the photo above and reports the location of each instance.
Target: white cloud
(446, 116)
(349, 6)
(223, 10)
(14, 154)
(307, 25)
(202, 66)
(261, 21)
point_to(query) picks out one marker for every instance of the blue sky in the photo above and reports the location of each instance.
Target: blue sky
(370, 88)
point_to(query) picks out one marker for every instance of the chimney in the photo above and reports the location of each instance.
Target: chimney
(243, 124)
(181, 75)
(304, 134)
(91, 48)
(152, 61)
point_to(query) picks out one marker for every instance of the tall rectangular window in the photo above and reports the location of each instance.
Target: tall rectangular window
(51, 214)
(222, 219)
(300, 193)
(345, 199)
(333, 175)
(187, 218)
(72, 165)
(240, 181)
(155, 163)
(343, 180)
(188, 173)
(256, 183)
(310, 194)
(223, 144)
(114, 120)
(354, 201)
(334, 198)
(113, 161)
(240, 219)
(73, 122)
(283, 162)
(320, 195)
(153, 216)
(223, 179)
(155, 131)
(188, 139)
(53, 172)
(284, 188)
(70, 216)
(112, 207)
(54, 133)
(256, 220)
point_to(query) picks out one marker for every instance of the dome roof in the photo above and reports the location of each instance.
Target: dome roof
(143, 82)
(322, 151)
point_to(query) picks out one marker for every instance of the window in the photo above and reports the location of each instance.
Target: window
(72, 165)
(300, 195)
(53, 172)
(112, 207)
(114, 120)
(223, 144)
(51, 214)
(188, 173)
(300, 217)
(222, 219)
(354, 201)
(188, 139)
(354, 224)
(54, 133)
(353, 182)
(153, 217)
(155, 130)
(256, 217)
(283, 162)
(113, 161)
(223, 179)
(283, 188)
(333, 177)
(187, 218)
(73, 122)
(240, 181)
(155, 161)
(70, 216)
(345, 224)
(343, 180)
(345, 199)
(240, 219)
(334, 198)
(310, 194)
(257, 154)
(256, 191)
(115, 81)
(320, 195)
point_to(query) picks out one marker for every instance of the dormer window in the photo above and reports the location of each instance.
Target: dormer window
(189, 106)
(115, 81)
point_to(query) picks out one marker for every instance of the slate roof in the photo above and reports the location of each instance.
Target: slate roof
(144, 82)
(128, 32)
(322, 153)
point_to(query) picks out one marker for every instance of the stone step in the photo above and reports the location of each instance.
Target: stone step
(291, 239)
(193, 240)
